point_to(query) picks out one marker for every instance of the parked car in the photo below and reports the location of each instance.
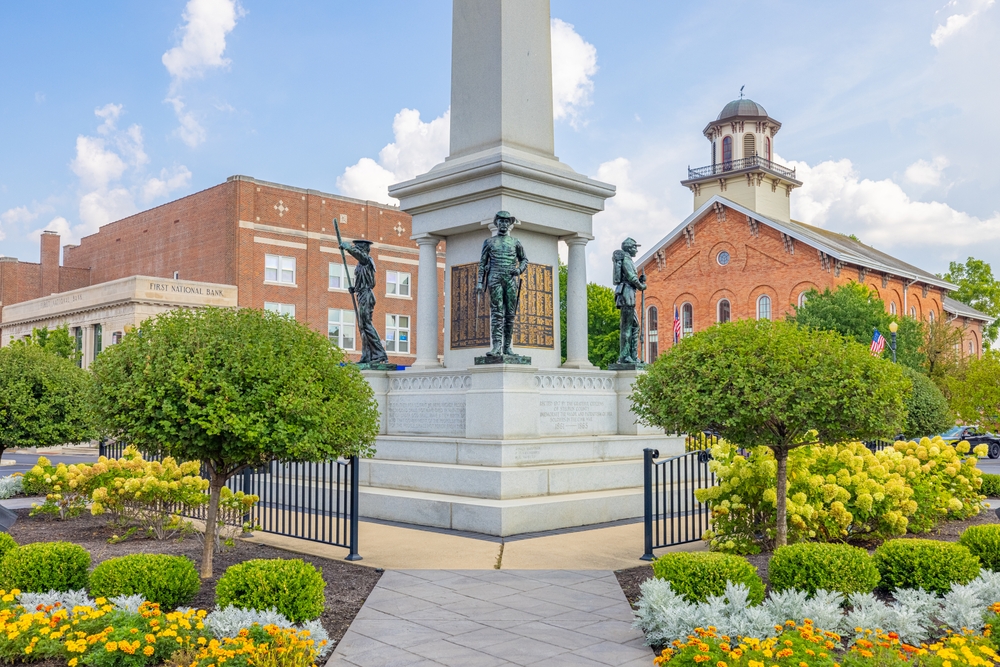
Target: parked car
(974, 437)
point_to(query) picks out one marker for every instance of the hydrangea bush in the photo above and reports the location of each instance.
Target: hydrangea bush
(840, 492)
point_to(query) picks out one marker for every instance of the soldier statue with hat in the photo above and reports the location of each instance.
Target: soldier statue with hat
(372, 352)
(500, 267)
(626, 282)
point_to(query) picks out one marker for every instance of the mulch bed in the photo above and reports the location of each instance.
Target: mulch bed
(347, 585)
(949, 531)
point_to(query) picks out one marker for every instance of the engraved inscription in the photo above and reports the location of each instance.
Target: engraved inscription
(429, 415)
(575, 415)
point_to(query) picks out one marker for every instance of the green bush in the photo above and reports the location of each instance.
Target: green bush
(991, 485)
(928, 564)
(170, 581)
(695, 576)
(984, 542)
(45, 566)
(6, 544)
(293, 587)
(812, 566)
(927, 410)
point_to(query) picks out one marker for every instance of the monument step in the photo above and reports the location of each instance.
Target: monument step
(501, 518)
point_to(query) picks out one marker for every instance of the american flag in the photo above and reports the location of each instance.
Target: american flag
(677, 325)
(878, 344)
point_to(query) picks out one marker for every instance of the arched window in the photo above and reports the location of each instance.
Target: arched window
(727, 153)
(763, 307)
(803, 297)
(687, 320)
(749, 145)
(913, 312)
(930, 316)
(767, 147)
(724, 310)
(972, 348)
(892, 307)
(652, 333)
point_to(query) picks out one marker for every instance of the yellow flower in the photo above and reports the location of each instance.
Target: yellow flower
(111, 647)
(148, 651)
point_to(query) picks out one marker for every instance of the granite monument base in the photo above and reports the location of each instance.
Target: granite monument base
(487, 360)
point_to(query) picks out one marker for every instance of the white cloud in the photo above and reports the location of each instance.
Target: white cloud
(190, 131)
(923, 172)
(18, 215)
(110, 113)
(834, 196)
(155, 188)
(954, 23)
(95, 164)
(204, 38)
(59, 225)
(574, 63)
(417, 146)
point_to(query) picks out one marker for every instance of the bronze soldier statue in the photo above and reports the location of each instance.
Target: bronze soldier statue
(626, 283)
(363, 288)
(500, 268)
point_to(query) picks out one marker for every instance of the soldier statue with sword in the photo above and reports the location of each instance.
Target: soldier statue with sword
(500, 267)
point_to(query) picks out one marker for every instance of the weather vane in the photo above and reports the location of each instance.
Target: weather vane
(741, 90)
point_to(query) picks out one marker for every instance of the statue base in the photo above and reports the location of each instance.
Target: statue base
(377, 366)
(637, 366)
(504, 359)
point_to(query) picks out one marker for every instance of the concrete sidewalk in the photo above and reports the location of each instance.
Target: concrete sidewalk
(403, 547)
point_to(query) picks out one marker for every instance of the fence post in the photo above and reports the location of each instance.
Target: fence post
(647, 496)
(102, 448)
(246, 491)
(355, 494)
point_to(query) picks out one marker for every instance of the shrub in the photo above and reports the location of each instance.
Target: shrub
(927, 409)
(11, 485)
(6, 544)
(991, 485)
(984, 542)
(695, 576)
(170, 581)
(293, 587)
(45, 566)
(928, 564)
(813, 566)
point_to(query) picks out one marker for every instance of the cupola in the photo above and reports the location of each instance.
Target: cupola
(742, 166)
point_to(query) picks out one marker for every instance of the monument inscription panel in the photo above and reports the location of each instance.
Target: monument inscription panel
(577, 415)
(470, 317)
(426, 414)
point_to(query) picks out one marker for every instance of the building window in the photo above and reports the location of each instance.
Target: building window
(340, 328)
(930, 316)
(913, 312)
(116, 337)
(892, 307)
(280, 308)
(972, 348)
(749, 145)
(687, 320)
(727, 153)
(725, 313)
(279, 269)
(767, 148)
(397, 283)
(722, 258)
(803, 297)
(763, 307)
(177, 275)
(97, 339)
(397, 334)
(338, 276)
(78, 344)
(652, 329)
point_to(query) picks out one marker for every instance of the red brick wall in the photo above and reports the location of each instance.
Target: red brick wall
(50, 263)
(760, 264)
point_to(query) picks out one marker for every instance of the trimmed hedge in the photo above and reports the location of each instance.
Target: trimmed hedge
(928, 564)
(6, 544)
(697, 575)
(984, 542)
(291, 586)
(812, 566)
(41, 567)
(991, 485)
(170, 581)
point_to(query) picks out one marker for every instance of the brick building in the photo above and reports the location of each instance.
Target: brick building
(741, 255)
(274, 243)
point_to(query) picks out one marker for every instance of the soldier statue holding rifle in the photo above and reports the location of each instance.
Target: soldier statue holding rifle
(500, 268)
(627, 282)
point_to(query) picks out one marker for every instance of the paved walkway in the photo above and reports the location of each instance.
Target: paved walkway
(494, 618)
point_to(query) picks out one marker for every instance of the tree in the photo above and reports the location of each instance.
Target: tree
(58, 341)
(233, 389)
(975, 391)
(775, 384)
(927, 410)
(977, 288)
(602, 321)
(942, 350)
(43, 398)
(854, 310)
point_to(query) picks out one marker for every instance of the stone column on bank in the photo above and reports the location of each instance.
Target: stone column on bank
(576, 303)
(427, 303)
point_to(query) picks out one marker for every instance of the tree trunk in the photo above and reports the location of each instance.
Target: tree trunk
(216, 482)
(781, 526)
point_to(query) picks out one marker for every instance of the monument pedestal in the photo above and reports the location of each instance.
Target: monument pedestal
(507, 449)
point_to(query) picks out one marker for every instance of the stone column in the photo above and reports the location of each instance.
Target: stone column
(576, 303)
(427, 303)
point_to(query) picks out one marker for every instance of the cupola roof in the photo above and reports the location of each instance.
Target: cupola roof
(742, 108)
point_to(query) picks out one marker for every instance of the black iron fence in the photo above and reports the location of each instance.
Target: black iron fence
(879, 445)
(309, 501)
(673, 515)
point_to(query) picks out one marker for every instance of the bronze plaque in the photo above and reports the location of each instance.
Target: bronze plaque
(470, 325)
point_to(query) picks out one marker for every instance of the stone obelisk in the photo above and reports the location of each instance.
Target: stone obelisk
(502, 159)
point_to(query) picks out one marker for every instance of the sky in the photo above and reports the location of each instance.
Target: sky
(887, 109)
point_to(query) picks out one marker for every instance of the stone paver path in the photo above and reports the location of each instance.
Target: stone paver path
(494, 618)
